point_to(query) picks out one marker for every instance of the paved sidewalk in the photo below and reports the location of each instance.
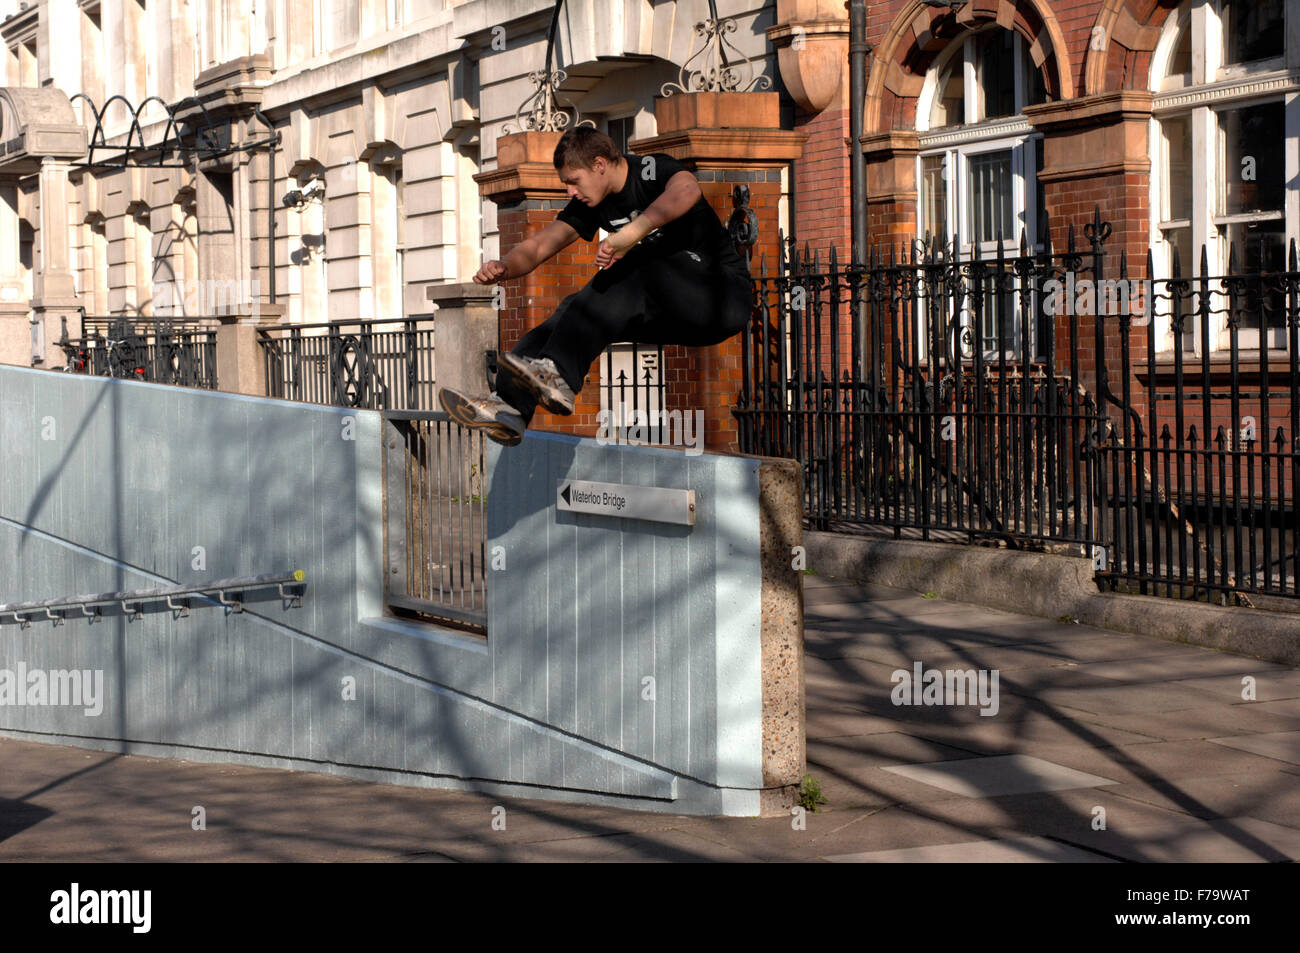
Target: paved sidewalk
(1152, 737)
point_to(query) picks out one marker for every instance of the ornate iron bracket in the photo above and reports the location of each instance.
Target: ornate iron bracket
(714, 73)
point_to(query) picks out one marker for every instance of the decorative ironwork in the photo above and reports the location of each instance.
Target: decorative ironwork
(183, 139)
(715, 74)
(542, 114)
(743, 224)
(145, 350)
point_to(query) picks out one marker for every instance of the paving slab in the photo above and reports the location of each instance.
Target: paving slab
(1272, 684)
(1145, 699)
(1213, 721)
(1273, 797)
(1194, 665)
(1025, 730)
(1134, 831)
(1000, 774)
(1279, 745)
(1167, 760)
(1014, 850)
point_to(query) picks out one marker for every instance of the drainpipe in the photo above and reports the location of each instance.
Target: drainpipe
(858, 50)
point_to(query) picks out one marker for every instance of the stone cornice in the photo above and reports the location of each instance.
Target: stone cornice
(517, 182)
(783, 34)
(21, 27)
(1130, 166)
(892, 143)
(1239, 87)
(729, 148)
(1091, 110)
(1017, 126)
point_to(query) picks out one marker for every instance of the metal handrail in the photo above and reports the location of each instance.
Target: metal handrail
(138, 597)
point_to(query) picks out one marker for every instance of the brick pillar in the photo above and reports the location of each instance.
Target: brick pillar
(726, 139)
(891, 188)
(529, 194)
(824, 212)
(1096, 154)
(811, 38)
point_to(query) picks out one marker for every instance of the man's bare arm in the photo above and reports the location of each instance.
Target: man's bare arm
(529, 253)
(680, 195)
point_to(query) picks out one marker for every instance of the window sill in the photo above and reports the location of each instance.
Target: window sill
(1248, 365)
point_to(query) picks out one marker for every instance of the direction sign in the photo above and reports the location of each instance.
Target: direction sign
(654, 503)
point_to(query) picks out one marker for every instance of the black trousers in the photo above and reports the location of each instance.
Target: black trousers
(680, 298)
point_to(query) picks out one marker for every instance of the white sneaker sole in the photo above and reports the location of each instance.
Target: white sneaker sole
(459, 409)
(552, 398)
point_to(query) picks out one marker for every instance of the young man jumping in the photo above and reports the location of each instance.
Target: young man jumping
(669, 274)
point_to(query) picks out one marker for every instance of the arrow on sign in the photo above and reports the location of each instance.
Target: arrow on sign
(565, 493)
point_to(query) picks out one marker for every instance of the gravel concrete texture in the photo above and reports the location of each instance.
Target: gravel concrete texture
(1192, 770)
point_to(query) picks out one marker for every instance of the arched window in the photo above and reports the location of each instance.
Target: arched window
(1226, 125)
(977, 171)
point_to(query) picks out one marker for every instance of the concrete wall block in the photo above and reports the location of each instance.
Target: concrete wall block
(421, 162)
(552, 697)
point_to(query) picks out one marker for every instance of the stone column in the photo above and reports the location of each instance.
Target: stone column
(241, 365)
(727, 139)
(54, 296)
(15, 329)
(891, 187)
(465, 328)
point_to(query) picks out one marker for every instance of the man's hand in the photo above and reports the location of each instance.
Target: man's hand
(490, 272)
(618, 244)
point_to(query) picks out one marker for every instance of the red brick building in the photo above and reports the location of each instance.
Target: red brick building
(988, 120)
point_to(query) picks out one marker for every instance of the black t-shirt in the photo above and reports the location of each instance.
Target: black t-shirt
(698, 230)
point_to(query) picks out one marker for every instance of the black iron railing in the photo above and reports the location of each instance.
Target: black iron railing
(634, 389)
(436, 518)
(162, 351)
(927, 392)
(379, 365)
(1203, 467)
(1014, 398)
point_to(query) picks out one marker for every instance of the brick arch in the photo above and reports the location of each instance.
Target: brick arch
(920, 33)
(1131, 29)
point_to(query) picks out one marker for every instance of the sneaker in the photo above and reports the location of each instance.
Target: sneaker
(491, 414)
(542, 377)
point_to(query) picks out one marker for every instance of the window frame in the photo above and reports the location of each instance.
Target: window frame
(1213, 89)
(958, 143)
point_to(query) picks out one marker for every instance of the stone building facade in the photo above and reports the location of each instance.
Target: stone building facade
(401, 163)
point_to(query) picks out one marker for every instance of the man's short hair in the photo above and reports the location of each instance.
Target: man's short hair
(580, 146)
